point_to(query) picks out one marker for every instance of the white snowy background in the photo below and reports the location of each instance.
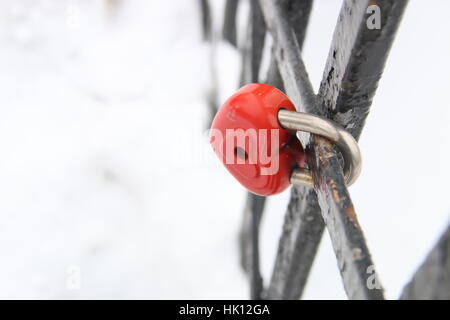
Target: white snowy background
(108, 188)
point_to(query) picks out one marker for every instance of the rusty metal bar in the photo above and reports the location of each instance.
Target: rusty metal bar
(354, 66)
(432, 279)
(353, 256)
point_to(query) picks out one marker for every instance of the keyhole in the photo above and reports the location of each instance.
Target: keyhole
(240, 153)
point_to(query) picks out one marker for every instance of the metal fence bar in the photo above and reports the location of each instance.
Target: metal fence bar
(354, 67)
(349, 68)
(356, 61)
(353, 256)
(432, 279)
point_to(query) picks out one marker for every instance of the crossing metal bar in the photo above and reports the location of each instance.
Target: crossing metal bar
(354, 66)
(432, 279)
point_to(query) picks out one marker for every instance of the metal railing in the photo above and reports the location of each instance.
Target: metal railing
(354, 66)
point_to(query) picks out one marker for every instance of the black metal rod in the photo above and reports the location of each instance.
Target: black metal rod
(354, 67)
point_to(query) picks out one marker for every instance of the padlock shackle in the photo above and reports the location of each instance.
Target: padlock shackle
(330, 130)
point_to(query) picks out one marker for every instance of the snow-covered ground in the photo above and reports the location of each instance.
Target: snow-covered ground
(108, 188)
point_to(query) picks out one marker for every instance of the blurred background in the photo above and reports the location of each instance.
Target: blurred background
(109, 189)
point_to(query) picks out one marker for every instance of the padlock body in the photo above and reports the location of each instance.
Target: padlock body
(250, 142)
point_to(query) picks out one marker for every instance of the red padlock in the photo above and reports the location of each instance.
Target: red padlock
(249, 140)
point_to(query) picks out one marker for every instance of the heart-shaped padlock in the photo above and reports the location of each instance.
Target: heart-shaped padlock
(249, 140)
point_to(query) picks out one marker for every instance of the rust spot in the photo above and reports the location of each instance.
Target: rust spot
(325, 148)
(351, 214)
(334, 190)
